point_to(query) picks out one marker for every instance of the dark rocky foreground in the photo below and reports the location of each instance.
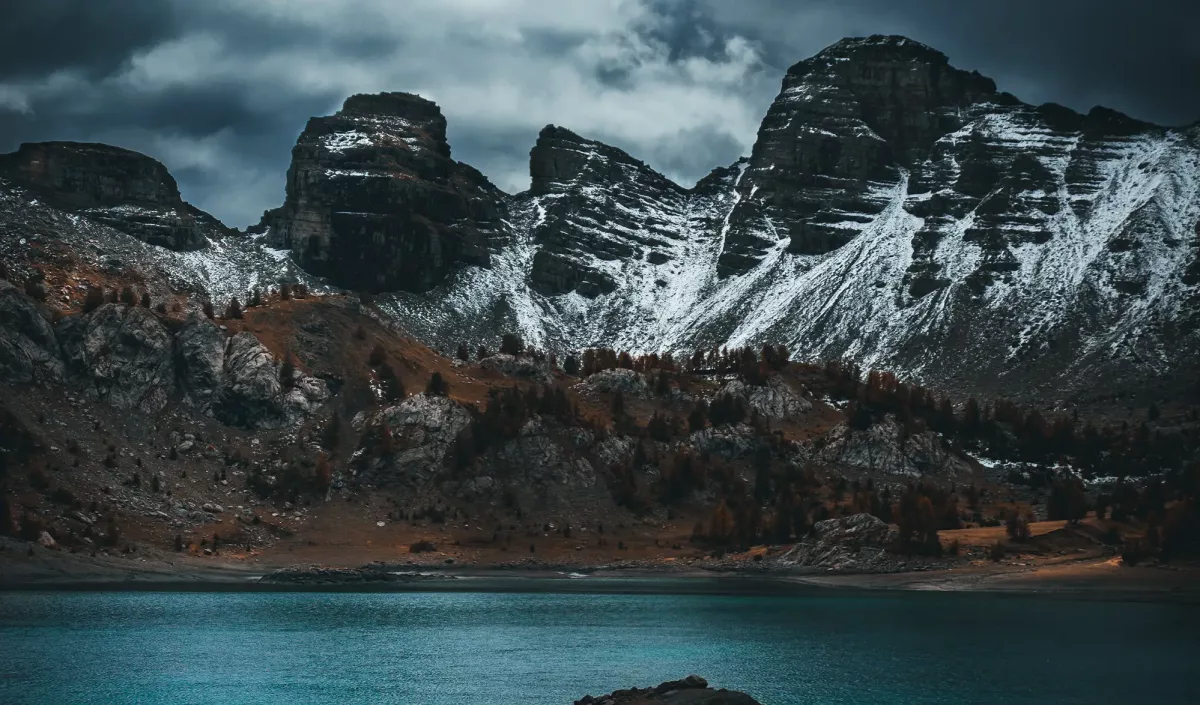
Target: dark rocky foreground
(692, 690)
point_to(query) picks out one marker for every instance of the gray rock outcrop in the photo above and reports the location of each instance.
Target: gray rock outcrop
(424, 429)
(885, 447)
(29, 351)
(374, 200)
(520, 367)
(630, 383)
(200, 356)
(120, 354)
(853, 543)
(774, 400)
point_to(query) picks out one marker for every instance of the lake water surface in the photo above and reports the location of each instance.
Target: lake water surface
(512, 648)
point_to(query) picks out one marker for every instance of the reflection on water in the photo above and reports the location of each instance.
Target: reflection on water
(513, 648)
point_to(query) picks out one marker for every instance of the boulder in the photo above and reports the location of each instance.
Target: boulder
(856, 543)
(121, 354)
(692, 690)
(45, 540)
(424, 429)
(250, 394)
(629, 382)
(29, 351)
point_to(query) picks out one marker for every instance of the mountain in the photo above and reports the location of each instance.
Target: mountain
(117, 187)
(894, 210)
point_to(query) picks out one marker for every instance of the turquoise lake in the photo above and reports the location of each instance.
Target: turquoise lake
(515, 648)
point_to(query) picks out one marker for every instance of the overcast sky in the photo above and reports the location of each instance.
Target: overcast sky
(219, 89)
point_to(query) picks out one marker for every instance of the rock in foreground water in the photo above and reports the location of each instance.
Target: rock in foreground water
(692, 690)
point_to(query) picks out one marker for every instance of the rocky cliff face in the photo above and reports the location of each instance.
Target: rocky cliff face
(845, 125)
(596, 208)
(893, 206)
(128, 357)
(117, 187)
(374, 200)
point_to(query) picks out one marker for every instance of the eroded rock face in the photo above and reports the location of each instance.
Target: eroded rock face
(853, 115)
(126, 356)
(29, 351)
(121, 354)
(374, 200)
(774, 400)
(424, 429)
(574, 227)
(892, 205)
(117, 187)
(250, 393)
(885, 447)
(200, 353)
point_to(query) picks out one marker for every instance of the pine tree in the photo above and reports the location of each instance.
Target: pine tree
(437, 387)
(127, 296)
(93, 300)
(234, 310)
(698, 419)
(618, 405)
(511, 344)
(287, 370)
(571, 365)
(463, 353)
(207, 307)
(332, 434)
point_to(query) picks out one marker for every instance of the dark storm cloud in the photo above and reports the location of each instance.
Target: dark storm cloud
(218, 90)
(38, 37)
